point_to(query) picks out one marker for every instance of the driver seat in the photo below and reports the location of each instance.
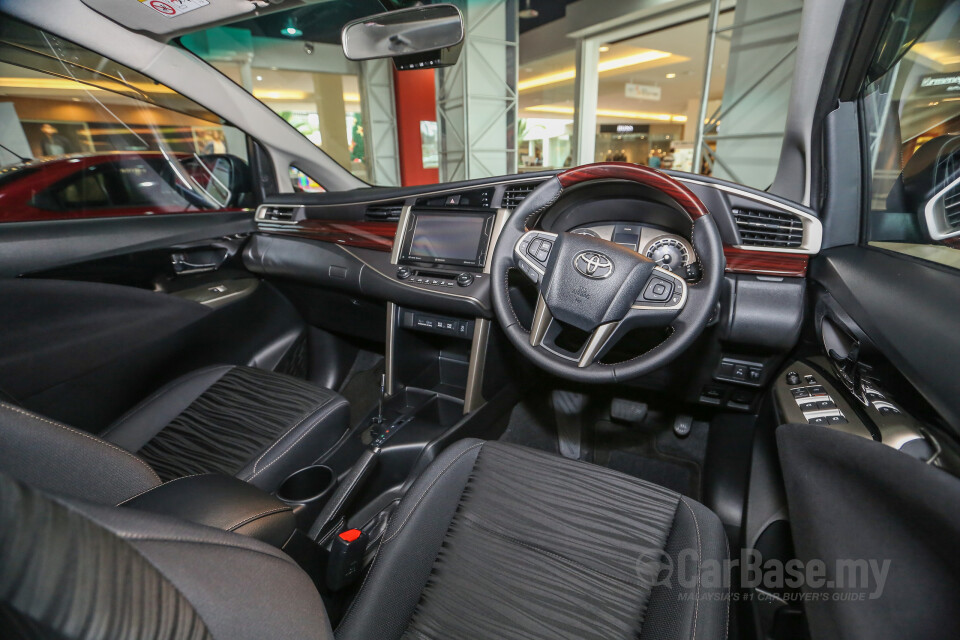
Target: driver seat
(500, 541)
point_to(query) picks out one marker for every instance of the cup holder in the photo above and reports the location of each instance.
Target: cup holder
(308, 490)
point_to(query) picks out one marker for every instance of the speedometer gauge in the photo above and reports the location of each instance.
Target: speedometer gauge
(669, 252)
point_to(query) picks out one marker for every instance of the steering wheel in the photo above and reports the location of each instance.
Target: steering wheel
(602, 288)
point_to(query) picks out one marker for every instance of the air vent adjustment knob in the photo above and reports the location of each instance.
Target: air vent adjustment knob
(465, 279)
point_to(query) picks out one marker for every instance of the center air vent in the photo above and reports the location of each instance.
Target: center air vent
(769, 229)
(276, 213)
(384, 212)
(514, 194)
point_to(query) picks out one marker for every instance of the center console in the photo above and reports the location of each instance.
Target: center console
(445, 251)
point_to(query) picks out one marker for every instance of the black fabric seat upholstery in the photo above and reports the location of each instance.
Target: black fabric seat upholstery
(499, 541)
(257, 425)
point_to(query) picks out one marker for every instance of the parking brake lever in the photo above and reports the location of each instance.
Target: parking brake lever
(347, 489)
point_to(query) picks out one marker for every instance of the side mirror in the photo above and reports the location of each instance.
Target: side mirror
(418, 38)
(224, 178)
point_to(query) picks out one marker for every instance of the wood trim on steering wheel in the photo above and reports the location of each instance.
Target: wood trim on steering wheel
(640, 174)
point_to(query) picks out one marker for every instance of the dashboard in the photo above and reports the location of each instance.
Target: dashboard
(425, 250)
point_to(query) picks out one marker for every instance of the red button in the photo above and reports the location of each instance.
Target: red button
(350, 535)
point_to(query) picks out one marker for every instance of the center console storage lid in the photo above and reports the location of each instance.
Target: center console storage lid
(222, 502)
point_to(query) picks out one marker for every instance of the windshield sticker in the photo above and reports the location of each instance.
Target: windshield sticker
(174, 8)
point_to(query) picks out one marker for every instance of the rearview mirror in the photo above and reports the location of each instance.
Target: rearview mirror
(417, 38)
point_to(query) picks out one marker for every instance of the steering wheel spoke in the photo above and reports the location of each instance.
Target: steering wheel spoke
(602, 338)
(541, 322)
(531, 253)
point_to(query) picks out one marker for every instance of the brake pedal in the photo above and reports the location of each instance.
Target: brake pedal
(628, 411)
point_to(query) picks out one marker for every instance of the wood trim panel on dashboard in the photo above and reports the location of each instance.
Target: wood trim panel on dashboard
(641, 175)
(765, 263)
(379, 237)
(362, 234)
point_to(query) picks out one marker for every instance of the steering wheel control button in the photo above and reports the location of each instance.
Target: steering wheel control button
(658, 290)
(529, 271)
(465, 279)
(543, 252)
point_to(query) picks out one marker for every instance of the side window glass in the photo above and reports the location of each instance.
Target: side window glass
(912, 120)
(77, 142)
(302, 183)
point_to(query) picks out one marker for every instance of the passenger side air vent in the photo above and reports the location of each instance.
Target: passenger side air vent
(775, 229)
(514, 194)
(951, 208)
(384, 212)
(277, 213)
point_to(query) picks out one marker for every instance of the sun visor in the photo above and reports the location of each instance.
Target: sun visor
(169, 18)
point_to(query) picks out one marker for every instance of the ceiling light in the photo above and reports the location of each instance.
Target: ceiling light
(282, 94)
(291, 30)
(613, 113)
(528, 13)
(671, 76)
(604, 49)
(351, 97)
(630, 61)
(605, 65)
(259, 78)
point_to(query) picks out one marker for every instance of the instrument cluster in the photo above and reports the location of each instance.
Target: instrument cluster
(668, 250)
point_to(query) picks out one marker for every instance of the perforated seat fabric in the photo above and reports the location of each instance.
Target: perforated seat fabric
(500, 541)
(257, 425)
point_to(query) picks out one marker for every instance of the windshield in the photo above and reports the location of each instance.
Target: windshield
(692, 90)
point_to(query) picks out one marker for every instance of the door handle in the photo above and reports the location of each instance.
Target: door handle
(198, 261)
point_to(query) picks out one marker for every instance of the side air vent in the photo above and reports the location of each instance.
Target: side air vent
(951, 208)
(769, 229)
(277, 213)
(384, 212)
(514, 194)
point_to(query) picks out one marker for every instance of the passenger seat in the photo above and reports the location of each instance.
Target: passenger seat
(257, 425)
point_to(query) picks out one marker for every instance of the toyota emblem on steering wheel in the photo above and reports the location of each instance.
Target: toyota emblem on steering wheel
(593, 264)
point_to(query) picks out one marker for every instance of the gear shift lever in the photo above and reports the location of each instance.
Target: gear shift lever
(383, 387)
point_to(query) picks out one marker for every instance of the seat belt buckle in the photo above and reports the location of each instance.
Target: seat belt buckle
(346, 558)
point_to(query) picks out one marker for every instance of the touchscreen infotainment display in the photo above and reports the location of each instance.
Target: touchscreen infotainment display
(459, 239)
